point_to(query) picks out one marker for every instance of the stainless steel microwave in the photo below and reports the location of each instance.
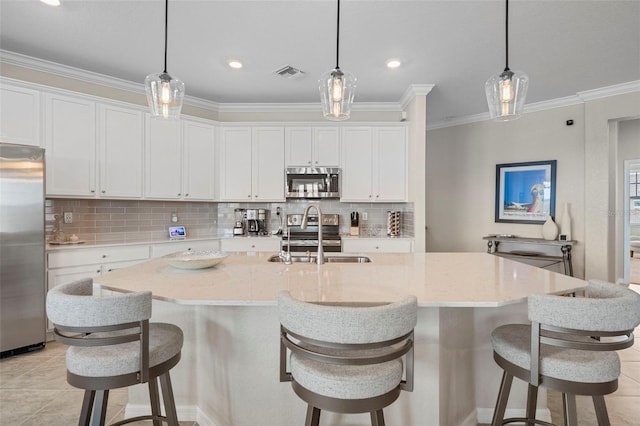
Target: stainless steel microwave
(312, 182)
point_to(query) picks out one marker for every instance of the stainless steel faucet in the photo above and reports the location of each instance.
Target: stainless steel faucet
(303, 225)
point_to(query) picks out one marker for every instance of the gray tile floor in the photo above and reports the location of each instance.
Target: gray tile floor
(34, 391)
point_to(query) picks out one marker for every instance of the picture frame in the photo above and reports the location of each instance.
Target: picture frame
(525, 192)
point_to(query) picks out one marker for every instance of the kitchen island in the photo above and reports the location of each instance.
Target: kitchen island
(229, 371)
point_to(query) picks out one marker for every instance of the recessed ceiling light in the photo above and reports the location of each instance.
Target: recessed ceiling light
(234, 63)
(51, 2)
(393, 63)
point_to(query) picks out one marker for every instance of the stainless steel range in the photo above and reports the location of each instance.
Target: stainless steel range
(306, 240)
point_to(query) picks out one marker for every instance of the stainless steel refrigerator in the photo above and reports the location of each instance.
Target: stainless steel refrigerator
(22, 245)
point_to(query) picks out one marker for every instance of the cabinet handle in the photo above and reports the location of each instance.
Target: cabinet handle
(178, 194)
(370, 196)
(377, 247)
(256, 196)
(104, 256)
(93, 191)
(253, 246)
(104, 192)
(378, 196)
(309, 162)
(98, 271)
(249, 195)
(186, 195)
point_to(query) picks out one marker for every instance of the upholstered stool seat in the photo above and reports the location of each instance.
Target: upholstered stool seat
(347, 359)
(570, 347)
(113, 345)
(513, 343)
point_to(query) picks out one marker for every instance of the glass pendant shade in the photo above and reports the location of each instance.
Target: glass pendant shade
(506, 93)
(164, 95)
(337, 89)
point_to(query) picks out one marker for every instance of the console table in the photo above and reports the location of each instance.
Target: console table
(493, 247)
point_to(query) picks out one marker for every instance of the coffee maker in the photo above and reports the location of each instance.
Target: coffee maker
(257, 220)
(252, 222)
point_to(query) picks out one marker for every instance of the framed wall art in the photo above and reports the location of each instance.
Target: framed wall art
(525, 192)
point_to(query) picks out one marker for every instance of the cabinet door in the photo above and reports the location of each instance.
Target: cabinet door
(120, 142)
(298, 151)
(235, 164)
(326, 146)
(198, 166)
(244, 244)
(56, 277)
(390, 164)
(373, 245)
(357, 160)
(268, 164)
(163, 159)
(70, 144)
(20, 115)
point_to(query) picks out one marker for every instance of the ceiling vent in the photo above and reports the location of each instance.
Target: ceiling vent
(289, 72)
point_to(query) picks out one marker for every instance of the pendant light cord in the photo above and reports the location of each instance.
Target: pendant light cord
(506, 36)
(338, 39)
(166, 25)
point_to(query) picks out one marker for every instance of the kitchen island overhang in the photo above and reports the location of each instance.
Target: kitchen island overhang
(229, 371)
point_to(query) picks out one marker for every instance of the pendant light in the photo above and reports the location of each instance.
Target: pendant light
(337, 87)
(506, 91)
(164, 93)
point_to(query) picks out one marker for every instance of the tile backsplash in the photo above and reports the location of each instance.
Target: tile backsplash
(121, 221)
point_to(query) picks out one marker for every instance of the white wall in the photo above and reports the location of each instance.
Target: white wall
(461, 166)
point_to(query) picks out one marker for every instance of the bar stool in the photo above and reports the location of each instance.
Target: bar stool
(113, 345)
(347, 359)
(568, 347)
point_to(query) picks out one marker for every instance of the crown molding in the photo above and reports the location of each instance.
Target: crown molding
(54, 68)
(604, 92)
(579, 98)
(413, 91)
(91, 77)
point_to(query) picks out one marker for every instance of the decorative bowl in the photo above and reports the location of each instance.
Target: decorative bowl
(200, 259)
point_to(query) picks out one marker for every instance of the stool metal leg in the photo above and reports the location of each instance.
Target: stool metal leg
(100, 407)
(169, 401)
(377, 418)
(313, 416)
(154, 400)
(532, 400)
(503, 397)
(601, 410)
(569, 409)
(87, 406)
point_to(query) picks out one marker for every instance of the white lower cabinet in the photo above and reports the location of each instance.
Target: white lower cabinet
(250, 244)
(379, 245)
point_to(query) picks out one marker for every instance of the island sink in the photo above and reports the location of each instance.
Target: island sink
(328, 259)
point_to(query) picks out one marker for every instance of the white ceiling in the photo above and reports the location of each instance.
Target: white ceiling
(565, 46)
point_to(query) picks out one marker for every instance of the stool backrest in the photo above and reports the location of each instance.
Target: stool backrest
(82, 319)
(603, 320)
(348, 334)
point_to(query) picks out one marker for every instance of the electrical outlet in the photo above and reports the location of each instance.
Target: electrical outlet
(68, 217)
(365, 216)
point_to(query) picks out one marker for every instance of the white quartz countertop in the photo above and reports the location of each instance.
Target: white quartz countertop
(437, 279)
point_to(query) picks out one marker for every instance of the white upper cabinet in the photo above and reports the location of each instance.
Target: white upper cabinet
(252, 163)
(312, 146)
(268, 164)
(163, 159)
(198, 165)
(390, 164)
(70, 143)
(120, 148)
(374, 164)
(19, 115)
(235, 167)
